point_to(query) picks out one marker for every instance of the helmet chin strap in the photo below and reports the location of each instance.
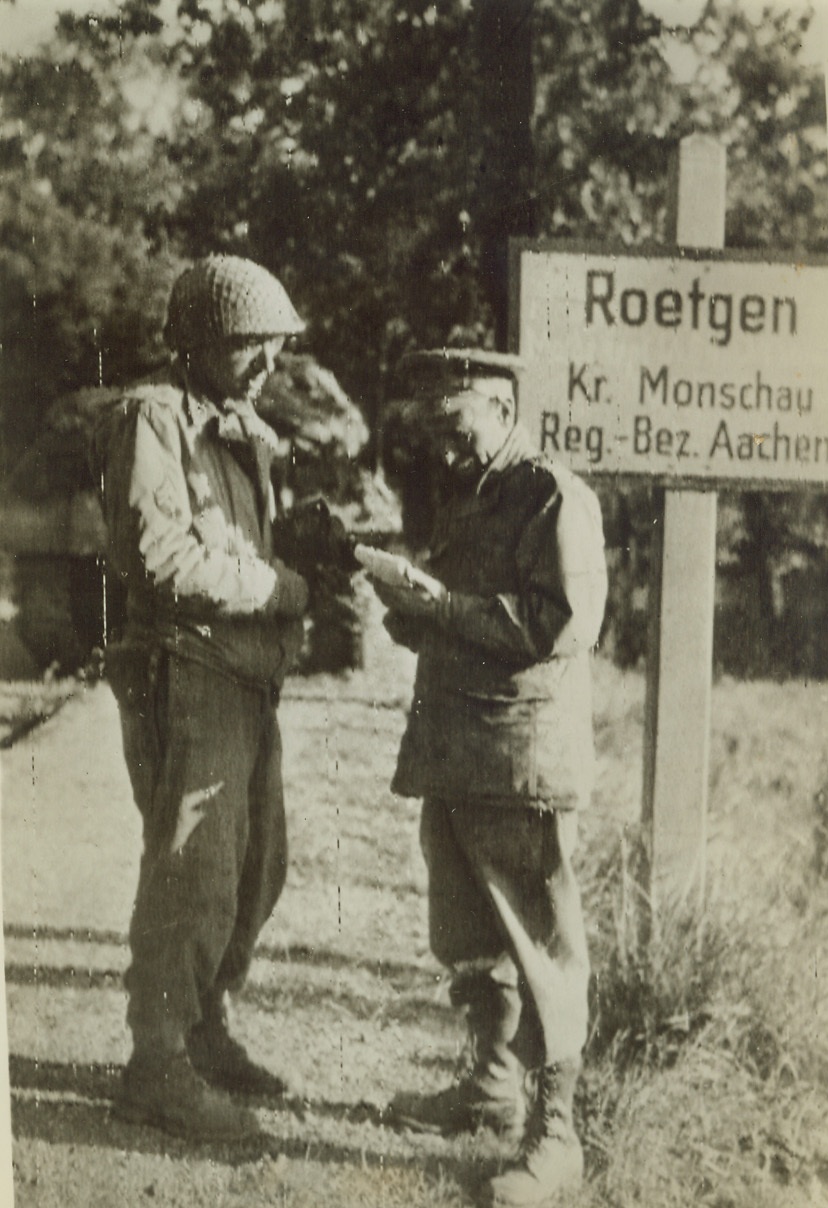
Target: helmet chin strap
(187, 364)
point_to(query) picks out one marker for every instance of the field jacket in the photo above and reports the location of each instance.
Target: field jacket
(502, 703)
(189, 506)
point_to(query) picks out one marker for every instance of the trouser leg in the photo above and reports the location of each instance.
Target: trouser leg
(525, 864)
(522, 861)
(466, 937)
(491, 1001)
(213, 1050)
(264, 870)
(201, 894)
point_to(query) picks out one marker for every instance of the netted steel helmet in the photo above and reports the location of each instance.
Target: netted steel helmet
(227, 296)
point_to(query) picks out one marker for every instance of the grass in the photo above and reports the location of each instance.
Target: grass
(706, 1079)
(707, 1066)
(706, 1072)
(699, 1089)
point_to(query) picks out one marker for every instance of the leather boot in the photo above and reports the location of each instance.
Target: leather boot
(490, 1093)
(550, 1158)
(164, 1091)
(223, 1062)
(492, 1017)
(459, 1108)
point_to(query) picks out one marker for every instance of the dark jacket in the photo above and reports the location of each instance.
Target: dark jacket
(502, 702)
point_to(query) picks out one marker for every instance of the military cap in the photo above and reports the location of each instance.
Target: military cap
(434, 373)
(223, 297)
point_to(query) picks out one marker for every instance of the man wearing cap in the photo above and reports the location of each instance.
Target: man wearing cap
(213, 623)
(499, 746)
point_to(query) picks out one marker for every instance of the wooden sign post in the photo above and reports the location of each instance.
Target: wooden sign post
(682, 585)
(692, 368)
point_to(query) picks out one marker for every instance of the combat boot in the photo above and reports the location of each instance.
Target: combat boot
(224, 1063)
(164, 1091)
(462, 1107)
(490, 1093)
(550, 1159)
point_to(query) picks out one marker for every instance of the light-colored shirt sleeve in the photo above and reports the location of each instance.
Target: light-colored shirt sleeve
(203, 560)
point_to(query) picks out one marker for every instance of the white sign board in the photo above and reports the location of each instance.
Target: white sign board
(684, 366)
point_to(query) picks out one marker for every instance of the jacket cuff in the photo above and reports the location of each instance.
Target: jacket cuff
(289, 597)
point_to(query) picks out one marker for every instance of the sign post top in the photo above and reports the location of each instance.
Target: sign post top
(699, 215)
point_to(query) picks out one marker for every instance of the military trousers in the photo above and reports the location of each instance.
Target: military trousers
(203, 753)
(505, 916)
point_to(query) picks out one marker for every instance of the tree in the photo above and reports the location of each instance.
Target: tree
(609, 108)
(376, 154)
(343, 154)
(84, 268)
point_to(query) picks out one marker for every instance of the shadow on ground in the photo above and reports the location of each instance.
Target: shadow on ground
(72, 1105)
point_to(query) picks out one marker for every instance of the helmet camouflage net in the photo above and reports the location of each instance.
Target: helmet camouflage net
(224, 297)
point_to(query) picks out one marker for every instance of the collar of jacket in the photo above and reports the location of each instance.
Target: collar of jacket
(236, 420)
(516, 448)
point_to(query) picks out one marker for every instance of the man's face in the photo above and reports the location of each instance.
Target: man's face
(470, 430)
(237, 369)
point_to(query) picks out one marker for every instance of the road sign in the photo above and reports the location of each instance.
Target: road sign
(688, 367)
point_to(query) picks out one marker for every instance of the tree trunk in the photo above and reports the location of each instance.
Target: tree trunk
(506, 196)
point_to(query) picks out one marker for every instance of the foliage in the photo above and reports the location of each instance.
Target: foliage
(613, 95)
(377, 155)
(669, 977)
(606, 119)
(83, 277)
(353, 146)
(25, 704)
(350, 125)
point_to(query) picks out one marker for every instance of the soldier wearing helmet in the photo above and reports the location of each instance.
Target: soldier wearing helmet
(213, 622)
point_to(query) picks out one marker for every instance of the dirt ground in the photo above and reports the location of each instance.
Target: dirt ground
(344, 997)
(342, 994)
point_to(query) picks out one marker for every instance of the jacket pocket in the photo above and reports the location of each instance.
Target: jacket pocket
(469, 747)
(498, 741)
(564, 747)
(140, 681)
